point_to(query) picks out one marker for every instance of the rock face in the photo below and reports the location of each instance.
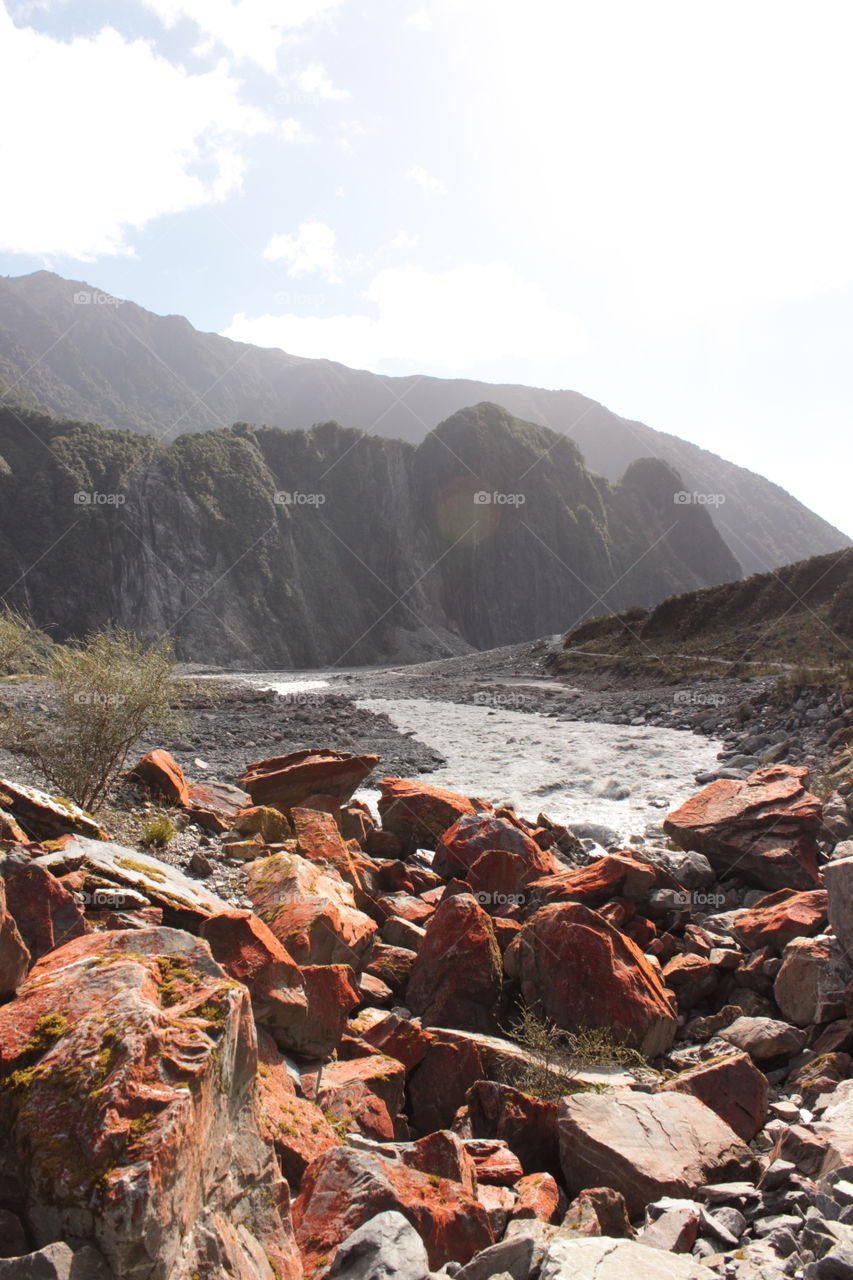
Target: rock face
(417, 813)
(584, 973)
(312, 912)
(647, 1146)
(285, 781)
(128, 1110)
(764, 829)
(346, 1188)
(456, 976)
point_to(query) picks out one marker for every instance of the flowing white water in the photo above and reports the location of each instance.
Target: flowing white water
(618, 776)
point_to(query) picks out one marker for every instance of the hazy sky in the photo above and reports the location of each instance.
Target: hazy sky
(649, 202)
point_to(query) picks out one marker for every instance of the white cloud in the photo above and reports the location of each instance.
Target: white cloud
(314, 81)
(424, 179)
(454, 320)
(420, 19)
(403, 240)
(108, 136)
(311, 248)
(253, 30)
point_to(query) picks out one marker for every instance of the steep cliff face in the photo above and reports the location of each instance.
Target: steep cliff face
(267, 548)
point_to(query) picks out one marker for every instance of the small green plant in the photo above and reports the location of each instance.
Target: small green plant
(554, 1056)
(22, 645)
(157, 831)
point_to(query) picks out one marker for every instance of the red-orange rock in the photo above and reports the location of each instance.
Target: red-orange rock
(779, 918)
(215, 805)
(442, 1154)
(46, 817)
(693, 979)
(9, 829)
(14, 956)
(419, 814)
(526, 1124)
(332, 994)
(439, 1085)
(392, 965)
(363, 1095)
(540, 1197)
(494, 1161)
(475, 834)
(356, 821)
(161, 774)
(615, 875)
(345, 1188)
(763, 829)
(456, 978)
(319, 840)
(584, 973)
(498, 881)
(251, 954)
(311, 911)
(297, 1128)
(391, 1034)
(128, 1109)
(286, 781)
(45, 913)
(733, 1087)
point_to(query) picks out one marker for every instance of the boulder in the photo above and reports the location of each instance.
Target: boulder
(475, 834)
(498, 880)
(331, 993)
(162, 776)
(319, 840)
(385, 1248)
(809, 987)
(528, 1125)
(494, 1162)
(764, 1039)
(539, 1197)
(364, 1094)
(442, 1155)
(834, 1131)
(693, 978)
(345, 1188)
(775, 920)
(184, 902)
(608, 1209)
(310, 910)
(838, 877)
(46, 817)
(287, 781)
(260, 820)
(128, 1063)
(56, 1262)
(439, 1084)
(392, 1034)
(584, 973)
(605, 1259)
(296, 1127)
(732, 1086)
(46, 914)
(251, 953)
(616, 875)
(647, 1145)
(392, 965)
(417, 813)
(215, 805)
(14, 954)
(764, 828)
(10, 832)
(456, 976)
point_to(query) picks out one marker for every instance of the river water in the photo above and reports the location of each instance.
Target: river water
(618, 776)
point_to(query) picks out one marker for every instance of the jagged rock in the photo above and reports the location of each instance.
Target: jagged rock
(612, 876)
(475, 834)
(311, 911)
(528, 1125)
(584, 973)
(498, 880)
(185, 902)
(646, 1145)
(161, 774)
(262, 820)
(392, 965)
(215, 805)
(539, 1196)
(494, 1161)
(733, 1087)
(838, 877)
(385, 1248)
(392, 1034)
(608, 1208)
(499, 1203)
(455, 980)
(345, 1188)
(809, 987)
(764, 828)
(45, 817)
(605, 1259)
(775, 920)
(439, 1084)
(46, 914)
(673, 1226)
(14, 953)
(286, 781)
(365, 1094)
(296, 1127)
(417, 813)
(9, 829)
(764, 1039)
(442, 1154)
(319, 840)
(128, 1113)
(56, 1262)
(251, 954)
(693, 978)
(331, 993)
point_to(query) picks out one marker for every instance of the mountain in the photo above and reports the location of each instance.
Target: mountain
(102, 360)
(266, 548)
(799, 617)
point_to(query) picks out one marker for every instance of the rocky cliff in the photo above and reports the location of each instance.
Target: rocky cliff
(277, 549)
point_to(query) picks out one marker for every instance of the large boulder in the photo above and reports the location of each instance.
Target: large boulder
(14, 954)
(604, 1259)
(215, 806)
(46, 914)
(318, 839)
(345, 1188)
(475, 834)
(44, 816)
(311, 911)
(385, 1248)
(809, 987)
(616, 875)
(584, 973)
(775, 920)
(251, 953)
(764, 1039)
(287, 781)
(127, 1110)
(764, 829)
(161, 774)
(332, 994)
(417, 813)
(455, 979)
(647, 1146)
(526, 1124)
(733, 1087)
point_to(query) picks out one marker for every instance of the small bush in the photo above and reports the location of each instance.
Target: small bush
(555, 1056)
(102, 696)
(158, 830)
(21, 643)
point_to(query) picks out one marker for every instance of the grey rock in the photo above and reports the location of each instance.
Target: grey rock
(386, 1248)
(519, 1254)
(601, 1258)
(764, 1039)
(56, 1262)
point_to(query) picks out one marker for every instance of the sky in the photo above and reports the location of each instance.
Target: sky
(650, 203)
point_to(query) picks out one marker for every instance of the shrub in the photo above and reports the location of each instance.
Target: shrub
(102, 696)
(555, 1056)
(158, 830)
(19, 640)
